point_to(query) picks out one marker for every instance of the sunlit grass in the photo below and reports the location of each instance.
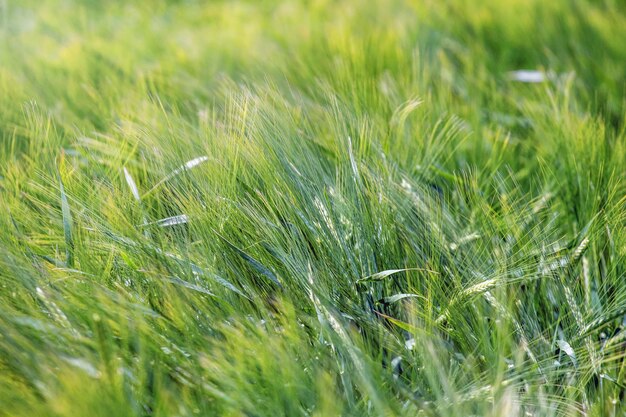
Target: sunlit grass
(312, 208)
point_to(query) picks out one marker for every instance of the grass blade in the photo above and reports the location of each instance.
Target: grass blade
(67, 227)
(397, 297)
(379, 276)
(256, 265)
(170, 221)
(132, 185)
(185, 167)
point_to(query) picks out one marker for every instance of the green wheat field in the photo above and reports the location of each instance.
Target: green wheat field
(312, 208)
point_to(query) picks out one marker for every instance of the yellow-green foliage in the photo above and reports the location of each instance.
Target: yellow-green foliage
(312, 208)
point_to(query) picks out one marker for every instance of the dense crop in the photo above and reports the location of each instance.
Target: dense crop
(312, 208)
